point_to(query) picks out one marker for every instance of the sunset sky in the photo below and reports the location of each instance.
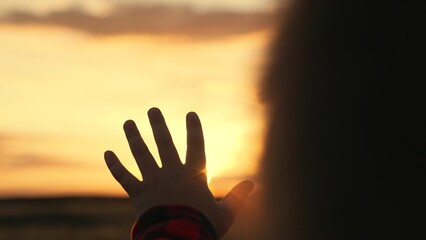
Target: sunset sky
(72, 71)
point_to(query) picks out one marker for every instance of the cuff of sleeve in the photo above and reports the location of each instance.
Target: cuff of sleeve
(173, 222)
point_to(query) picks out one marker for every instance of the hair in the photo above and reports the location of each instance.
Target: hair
(345, 152)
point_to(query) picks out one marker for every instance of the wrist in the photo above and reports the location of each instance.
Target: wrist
(179, 221)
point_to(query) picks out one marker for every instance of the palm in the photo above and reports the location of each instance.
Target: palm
(175, 183)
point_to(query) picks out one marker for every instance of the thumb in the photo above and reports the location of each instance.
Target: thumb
(235, 199)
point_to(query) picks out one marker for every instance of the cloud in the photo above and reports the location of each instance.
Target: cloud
(33, 160)
(175, 20)
(23, 160)
(6, 137)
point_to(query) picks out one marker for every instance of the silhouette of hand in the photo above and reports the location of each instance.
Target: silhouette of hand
(174, 182)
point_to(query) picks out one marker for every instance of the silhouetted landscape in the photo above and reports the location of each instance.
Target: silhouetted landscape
(82, 218)
(66, 218)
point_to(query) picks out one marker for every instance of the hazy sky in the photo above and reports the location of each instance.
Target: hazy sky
(100, 6)
(69, 80)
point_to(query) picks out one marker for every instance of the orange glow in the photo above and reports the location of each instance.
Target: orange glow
(64, 96)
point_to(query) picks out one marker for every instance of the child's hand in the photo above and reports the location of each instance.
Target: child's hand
(175, 183)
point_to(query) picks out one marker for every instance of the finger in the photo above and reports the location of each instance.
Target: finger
(120, 173)
(236, 198)
(140, 151)
(166, 149)
(195, 153)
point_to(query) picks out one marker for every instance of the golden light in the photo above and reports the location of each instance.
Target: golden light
(64, 96)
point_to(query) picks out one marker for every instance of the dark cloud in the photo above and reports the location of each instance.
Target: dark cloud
(152, 20)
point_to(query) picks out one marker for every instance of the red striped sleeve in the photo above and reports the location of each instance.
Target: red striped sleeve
(173, 222)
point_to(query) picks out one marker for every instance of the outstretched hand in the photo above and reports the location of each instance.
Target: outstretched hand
(174, 182)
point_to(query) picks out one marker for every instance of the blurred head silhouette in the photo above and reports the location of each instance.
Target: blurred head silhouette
(344, 157)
